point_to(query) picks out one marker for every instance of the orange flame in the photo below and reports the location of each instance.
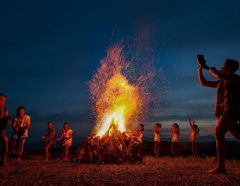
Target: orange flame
(121, 101)
(118, 96)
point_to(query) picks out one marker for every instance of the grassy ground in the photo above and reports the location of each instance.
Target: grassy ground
(161, 171)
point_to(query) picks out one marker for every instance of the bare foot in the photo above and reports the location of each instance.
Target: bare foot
(18, 159)
(65, 159)
(217, 171)
(46, 159)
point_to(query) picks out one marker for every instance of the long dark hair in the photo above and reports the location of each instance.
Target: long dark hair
(3, 95)
(19, 108)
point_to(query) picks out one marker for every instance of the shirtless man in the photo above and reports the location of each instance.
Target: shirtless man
(226, 107)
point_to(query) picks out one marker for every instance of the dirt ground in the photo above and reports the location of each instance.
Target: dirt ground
(161, 171)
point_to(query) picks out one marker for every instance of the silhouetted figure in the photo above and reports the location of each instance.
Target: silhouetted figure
(194, 132)
(139, 133)
(226, 107)
(21, 124)
(175, 131)
(5, 120)
(49, 139)
(157, 139)
(67, 139)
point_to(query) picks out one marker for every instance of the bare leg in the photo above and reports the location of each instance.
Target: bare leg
(140, 149)
(47, 154)
(14, 141)
(175, 148)
(21, 147)
(172, 149)
(194, 148)
(221, 129)
(66, 152)
(159, 148)
(155, 149)
(4, 150)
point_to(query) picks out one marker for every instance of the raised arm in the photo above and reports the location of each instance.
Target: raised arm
(190, 122)
(204, 82)
(218, 74)
(154, 128)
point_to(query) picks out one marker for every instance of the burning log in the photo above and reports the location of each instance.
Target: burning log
(113, 147)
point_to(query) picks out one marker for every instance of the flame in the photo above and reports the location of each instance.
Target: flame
(122, 102)
(118, 91)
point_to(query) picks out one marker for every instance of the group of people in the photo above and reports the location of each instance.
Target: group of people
(20, 126)
(226, 110)
(175, 132)
(50, 139)
(227, 106)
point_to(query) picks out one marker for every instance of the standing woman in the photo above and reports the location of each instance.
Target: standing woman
(194, 132)
(139, 133)
(67, 139)
(49, 139)
(157, 139)
(21, 124)
(175, 131)
(5, 120)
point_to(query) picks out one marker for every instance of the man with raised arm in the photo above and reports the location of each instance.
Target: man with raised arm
(226, 107)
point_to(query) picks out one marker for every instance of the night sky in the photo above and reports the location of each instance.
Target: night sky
(49, 51)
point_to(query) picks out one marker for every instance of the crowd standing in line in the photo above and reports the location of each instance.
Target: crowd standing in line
(22, 122)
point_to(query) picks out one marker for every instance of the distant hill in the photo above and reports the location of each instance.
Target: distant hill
(78, 140)
(38, 145)
(205, 145)
(208, 138)
(204, 149)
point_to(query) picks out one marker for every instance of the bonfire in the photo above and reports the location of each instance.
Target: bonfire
(120, 97)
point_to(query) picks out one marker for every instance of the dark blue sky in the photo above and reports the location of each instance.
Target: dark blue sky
(49, 50)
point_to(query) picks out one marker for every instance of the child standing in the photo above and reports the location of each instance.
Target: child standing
(157, 139)
(175, 131)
